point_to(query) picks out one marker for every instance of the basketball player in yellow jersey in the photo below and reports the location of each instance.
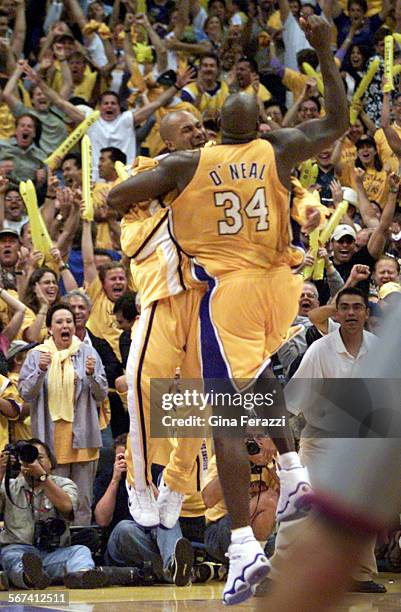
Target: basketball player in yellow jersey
(232, 215)
(164, 338)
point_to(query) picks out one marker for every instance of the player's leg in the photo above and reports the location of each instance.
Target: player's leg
(233, 347)
(294, 478)
(156, 328)
(180, 473)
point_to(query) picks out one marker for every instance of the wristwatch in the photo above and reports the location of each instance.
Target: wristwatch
(43, 477)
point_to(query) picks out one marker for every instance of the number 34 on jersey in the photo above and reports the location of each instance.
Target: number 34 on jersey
(235, 210)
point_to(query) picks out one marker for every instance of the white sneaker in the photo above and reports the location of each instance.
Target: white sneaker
(294, 487)
(143, 507)
(169, 503)
(248, 567)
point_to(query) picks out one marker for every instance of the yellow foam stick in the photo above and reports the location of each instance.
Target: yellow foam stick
(325, 236)
(397, 37)
(362, 87)
(72, 139)
(388, 63)
(313, 247)
(309, 172)
(307, 68)
(334, 220)
(86, 154)
(121, 171)
(40, 237)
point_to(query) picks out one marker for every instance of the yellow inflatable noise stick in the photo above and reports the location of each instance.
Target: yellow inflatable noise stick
(72, 139)
(313, 246)
(86, 154)
(121, 171)
(388, 63)
(362, 87)
(40, 237)
(307, 68)
(326, 234)
(396, 69)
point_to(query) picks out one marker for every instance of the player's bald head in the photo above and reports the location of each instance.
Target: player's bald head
(181, 130)
(171, 121)
(239, 117)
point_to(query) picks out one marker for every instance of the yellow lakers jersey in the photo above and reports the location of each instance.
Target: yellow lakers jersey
(234, 214)
(158, 267)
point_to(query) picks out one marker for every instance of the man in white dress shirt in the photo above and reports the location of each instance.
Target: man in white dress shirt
(338, 355)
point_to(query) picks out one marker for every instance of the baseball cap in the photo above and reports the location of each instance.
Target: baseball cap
(62, 37)
(389, 288)
(343, 230)
(19, 345)
(9, 232)
(350, 196)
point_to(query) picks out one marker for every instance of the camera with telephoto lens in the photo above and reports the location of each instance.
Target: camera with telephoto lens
(21, 451)
(47, 534)
(252, 447)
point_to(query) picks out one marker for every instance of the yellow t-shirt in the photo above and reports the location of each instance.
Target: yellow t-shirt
(63, 445)
(83, 90)
(294, 81)
(208, 102)
(30, 318)
(386, 154)
(7, 391)
(102, 322)
(274, 21)
(263, 93)
(19, 430)
(100, 193)
(375, 183)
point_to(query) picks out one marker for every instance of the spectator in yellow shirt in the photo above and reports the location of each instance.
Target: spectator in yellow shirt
(246, 72)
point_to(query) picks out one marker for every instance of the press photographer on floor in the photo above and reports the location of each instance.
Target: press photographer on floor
(38, 508)
(263, 497)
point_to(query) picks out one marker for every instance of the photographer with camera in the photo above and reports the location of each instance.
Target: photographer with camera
(38, 508)
(263, 498)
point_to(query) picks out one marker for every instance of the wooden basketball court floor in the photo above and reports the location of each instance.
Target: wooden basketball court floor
(195, 598)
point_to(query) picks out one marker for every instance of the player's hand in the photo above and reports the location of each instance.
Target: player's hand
(317, 31)
(45, 361)
(359, 273)
(90, 365)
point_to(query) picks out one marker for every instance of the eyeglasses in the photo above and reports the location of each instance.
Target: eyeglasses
(13, 199)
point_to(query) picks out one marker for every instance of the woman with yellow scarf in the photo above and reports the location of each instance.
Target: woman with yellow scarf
(64, 381)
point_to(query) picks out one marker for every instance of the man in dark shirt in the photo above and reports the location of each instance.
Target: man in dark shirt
(130, 544)
(346, 255)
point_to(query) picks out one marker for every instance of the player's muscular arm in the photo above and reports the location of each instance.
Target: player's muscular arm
(174, 171)
(292, 146)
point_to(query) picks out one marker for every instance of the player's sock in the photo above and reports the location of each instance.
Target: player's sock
(290, 460)
(241, 533)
